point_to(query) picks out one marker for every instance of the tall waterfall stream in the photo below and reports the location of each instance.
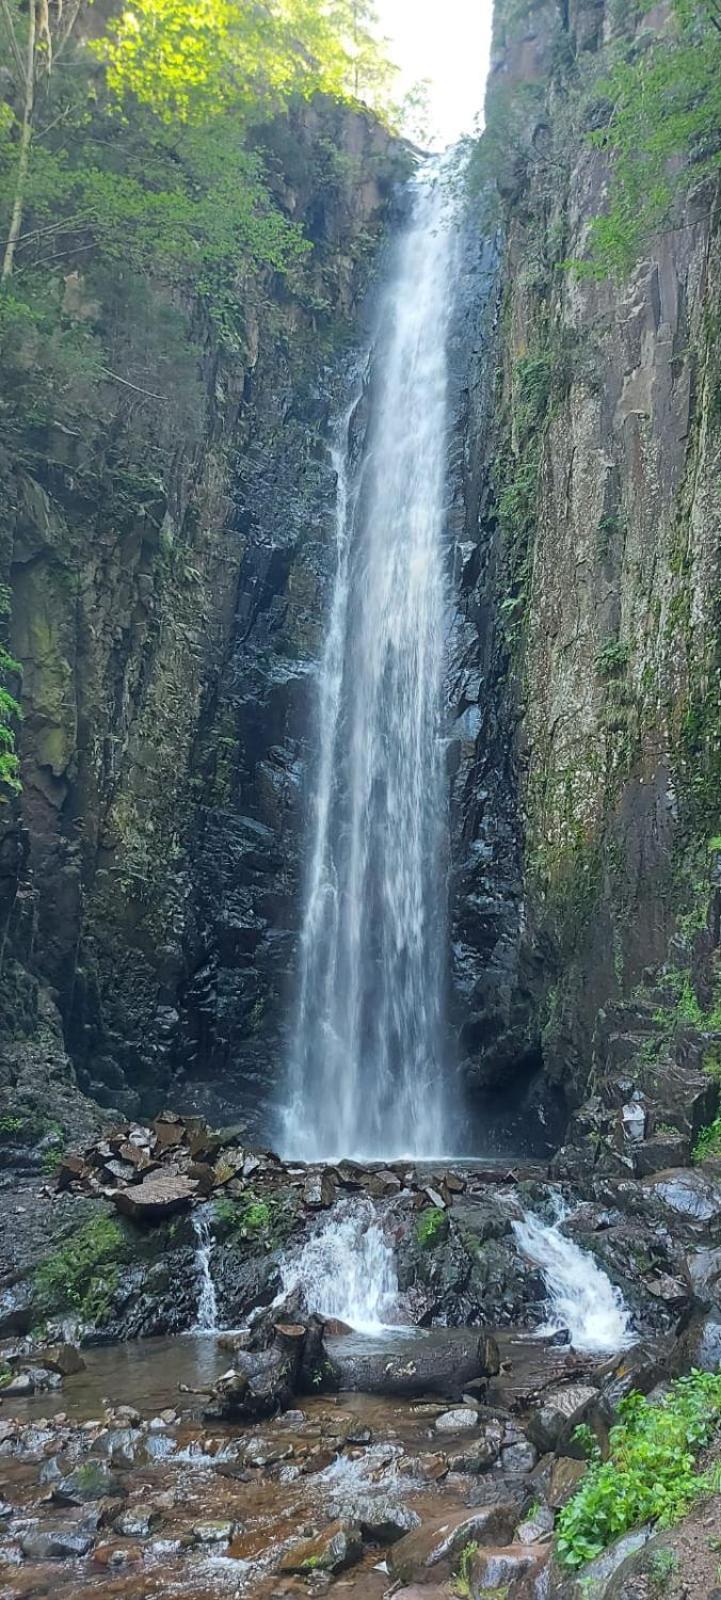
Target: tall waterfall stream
(366, 1071)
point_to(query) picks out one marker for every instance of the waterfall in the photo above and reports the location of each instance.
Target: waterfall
(366, 1069)
(346, 1269)
(207, 1314)
(581, 1297)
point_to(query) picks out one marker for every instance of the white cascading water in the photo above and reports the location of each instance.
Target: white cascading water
(347, 1270)
(207, 1314)
(580, 1296)
(366, 1071)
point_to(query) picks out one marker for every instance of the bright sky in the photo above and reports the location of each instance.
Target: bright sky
(448, 42)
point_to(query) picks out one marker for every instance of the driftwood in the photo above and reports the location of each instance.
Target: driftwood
(444, 1363)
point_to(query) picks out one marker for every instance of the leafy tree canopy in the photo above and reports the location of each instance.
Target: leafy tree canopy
(182, 57)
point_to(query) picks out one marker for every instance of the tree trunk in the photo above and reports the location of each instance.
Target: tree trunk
(26, 134)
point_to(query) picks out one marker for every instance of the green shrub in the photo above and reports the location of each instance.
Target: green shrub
(662, 1566)
(612, 658)
(708, 1142)
(251, 1218)
(83, 1274)
(429, 1224)
(650, 1473)
(462, 1582)
(10, 1125)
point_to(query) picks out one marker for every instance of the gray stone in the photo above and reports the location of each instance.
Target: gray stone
(56, 1544)
(521, 1457)
(460, 1420)
(551, 1426)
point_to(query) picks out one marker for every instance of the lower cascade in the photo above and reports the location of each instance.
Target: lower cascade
(581, 1297)
(207, 1314)
(346, 1270)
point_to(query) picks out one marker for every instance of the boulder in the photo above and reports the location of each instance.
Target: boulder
(515, 1571)
(688, 1194)
(319, 1190)
(383, 1518)
(641, 1367)
(137, 1522)
(157, 1196)
(538, 1526)
(19, 1384)
(700, 1343)
(379, 1185)
(92, 1480)
(481, 1452)
(565, 1475)
(597, 1577)
(552, 1424)
(213, 1531)
(55, 1544)
(519, 1457)
(339, 1546)
(73, 1169)
(705, 1272)
(63, 1358)
(437, 1543)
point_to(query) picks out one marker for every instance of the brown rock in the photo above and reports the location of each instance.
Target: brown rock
(203, 1144)
(441, 1539)
(566, 1474)
(334, 1328)
(63, 1358)
(72, 1168)
(135, 1154)
(552, 1424)
(157, 1196)
(168, 1135)
(203, 1175)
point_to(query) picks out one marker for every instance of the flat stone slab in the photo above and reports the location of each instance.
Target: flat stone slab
(157, 1196)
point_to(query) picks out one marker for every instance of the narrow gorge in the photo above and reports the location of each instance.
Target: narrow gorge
(360, 838)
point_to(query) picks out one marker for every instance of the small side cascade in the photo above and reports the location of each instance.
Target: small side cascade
(207, 1316)
(347, 1270)
(581, 1298)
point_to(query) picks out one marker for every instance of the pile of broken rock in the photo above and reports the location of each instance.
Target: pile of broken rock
(151, 1170)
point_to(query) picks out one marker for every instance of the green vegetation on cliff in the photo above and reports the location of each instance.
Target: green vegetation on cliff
(661, 131)
(83, 1274)
(149, 205)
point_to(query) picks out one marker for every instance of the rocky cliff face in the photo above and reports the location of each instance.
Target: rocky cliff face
(170, 564)
(597, 558)
(166, 564)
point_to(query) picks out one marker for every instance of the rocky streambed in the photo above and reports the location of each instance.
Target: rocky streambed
(222, 1373)
(125, 1488)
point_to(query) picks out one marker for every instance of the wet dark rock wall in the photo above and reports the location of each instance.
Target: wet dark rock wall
(591, 585)
(167, 567)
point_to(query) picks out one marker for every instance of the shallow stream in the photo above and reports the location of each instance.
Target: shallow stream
(264, 1487)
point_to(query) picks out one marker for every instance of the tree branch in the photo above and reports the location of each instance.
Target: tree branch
(128, 385)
